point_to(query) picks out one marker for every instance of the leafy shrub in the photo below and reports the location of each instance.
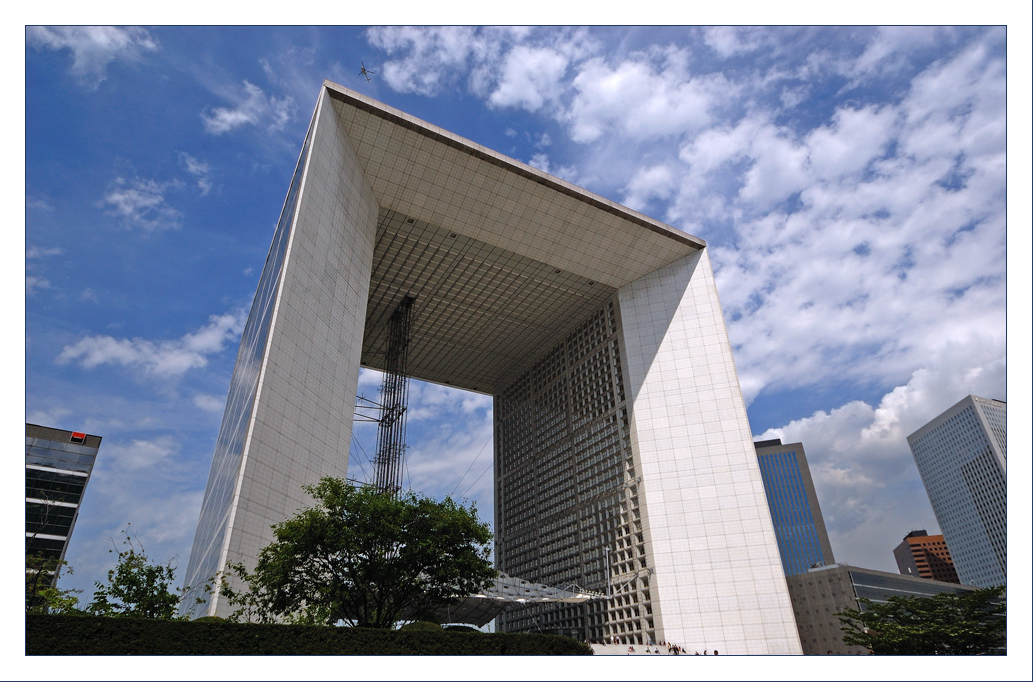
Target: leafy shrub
(59, 635)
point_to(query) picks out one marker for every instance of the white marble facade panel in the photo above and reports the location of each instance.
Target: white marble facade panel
(677, 345)
(310, 359)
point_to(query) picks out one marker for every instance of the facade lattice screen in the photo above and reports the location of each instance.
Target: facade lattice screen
(566, 488)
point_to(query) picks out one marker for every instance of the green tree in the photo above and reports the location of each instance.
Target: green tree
(135, 588)
(366, 558)
(41, 593)
(945, 624)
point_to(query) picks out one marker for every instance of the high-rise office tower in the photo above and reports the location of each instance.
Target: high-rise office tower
(58, 465)
(623, 457)
(962, 456)
(925, 556)
(803, 541)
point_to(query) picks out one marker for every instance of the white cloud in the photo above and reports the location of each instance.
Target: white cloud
(731, 41)
(855, 138)
(655, 182)
(876, 234)
(141, 203)
(210, 403)
(529, 78)
(38, 204)
(165, 359)
(93, 47)
(53, 417)
(887, 51)
(33, 252)
(253, 107)
(34, 284)
(140, 454)
(868, 486)
(433, 56)
(540, 161)
(200, 170)
(640, 99)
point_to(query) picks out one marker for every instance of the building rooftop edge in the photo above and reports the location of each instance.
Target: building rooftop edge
(851, 567)
(398, 117)
(935, 421)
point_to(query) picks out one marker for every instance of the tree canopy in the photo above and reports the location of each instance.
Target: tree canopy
(41, 593)
(135, 588)
(367, 558)
(945, 624)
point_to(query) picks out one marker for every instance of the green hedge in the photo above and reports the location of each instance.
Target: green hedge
(92, 635)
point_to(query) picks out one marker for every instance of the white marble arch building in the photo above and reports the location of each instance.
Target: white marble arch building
(621, 433)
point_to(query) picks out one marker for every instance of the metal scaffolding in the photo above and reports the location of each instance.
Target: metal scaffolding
(394, 398)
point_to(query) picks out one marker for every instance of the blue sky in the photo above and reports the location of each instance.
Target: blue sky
(850, 183)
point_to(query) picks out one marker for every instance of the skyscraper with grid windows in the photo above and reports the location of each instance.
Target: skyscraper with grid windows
(962, 456)
(803, 541)
(58, 465)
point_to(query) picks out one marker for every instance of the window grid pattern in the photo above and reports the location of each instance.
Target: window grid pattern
(56, 475)
(962, 464)
(791, 512)
(566, 488)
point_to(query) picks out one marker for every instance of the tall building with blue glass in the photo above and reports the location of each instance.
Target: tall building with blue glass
(802, 539)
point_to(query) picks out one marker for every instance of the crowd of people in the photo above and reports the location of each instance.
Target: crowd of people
(657, 648)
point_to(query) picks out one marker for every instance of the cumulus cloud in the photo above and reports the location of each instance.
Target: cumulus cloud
(875, 231)
(141, 204)
(165, 359)
(530, 77)
(641, 98)
(252, 107)
(851, 186)
(514, 66)
(93, 47)
(867, 483)
(655, 182)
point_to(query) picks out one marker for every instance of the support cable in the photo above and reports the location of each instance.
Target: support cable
(479, 453)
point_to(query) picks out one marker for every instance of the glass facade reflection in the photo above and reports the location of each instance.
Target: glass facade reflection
(802, 540)
(229, 447)
(58, 465)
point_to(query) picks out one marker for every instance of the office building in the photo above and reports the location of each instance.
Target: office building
(925, 556)
(962, 456)
(803, 541)
(823, 591)
(623, 455)
(58, 465)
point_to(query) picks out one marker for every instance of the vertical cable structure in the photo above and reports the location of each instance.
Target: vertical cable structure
(394, 397)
